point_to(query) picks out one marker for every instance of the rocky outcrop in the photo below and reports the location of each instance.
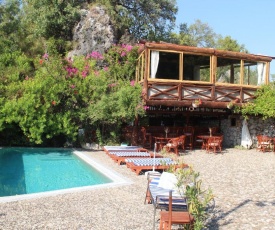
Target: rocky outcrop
(94, 32)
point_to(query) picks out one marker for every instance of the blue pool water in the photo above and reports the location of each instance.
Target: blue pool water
(33, 170)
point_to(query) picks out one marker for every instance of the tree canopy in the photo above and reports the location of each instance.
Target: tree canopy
(145, 19)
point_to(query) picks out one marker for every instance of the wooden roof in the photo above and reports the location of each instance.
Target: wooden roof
(204, 51)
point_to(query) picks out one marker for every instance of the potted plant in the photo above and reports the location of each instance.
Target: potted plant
(230, 105)
(196, 103)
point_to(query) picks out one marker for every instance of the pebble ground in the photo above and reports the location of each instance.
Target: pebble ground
(243, 182)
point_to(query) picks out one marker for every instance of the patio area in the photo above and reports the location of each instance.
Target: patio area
(242, 182)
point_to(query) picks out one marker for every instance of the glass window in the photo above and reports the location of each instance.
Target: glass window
(228, 70)
(254, 73)
(196, 67)
(165, 65)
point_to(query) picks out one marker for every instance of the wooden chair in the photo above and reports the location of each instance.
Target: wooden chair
(264, 143)
(173, 143)
(170, 217)
(181, 142)
(214, 144)
(146, 138)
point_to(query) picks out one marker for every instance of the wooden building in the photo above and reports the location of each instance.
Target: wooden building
(189, 84)
(175, 75)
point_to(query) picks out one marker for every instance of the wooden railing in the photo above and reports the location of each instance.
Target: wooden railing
(182, 94)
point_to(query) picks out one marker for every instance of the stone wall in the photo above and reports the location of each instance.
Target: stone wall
(232, 129)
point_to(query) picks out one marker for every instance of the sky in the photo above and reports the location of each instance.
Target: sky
(250, 22)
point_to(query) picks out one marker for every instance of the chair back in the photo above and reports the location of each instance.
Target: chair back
(181, 140)
(174, 142)
(263, 139)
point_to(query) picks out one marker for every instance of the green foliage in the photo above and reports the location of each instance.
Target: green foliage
(202, 35)
(263, 105)
(62, 95)
(151, 19)
(51, 19)
(10, 31)
(198, 34)
(120, 99)
(227, 43)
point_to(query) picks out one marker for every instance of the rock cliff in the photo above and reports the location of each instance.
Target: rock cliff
(94, 32)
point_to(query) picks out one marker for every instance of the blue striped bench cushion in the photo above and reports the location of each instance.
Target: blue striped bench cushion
(130, 154)
(110, 148)
(151, 161)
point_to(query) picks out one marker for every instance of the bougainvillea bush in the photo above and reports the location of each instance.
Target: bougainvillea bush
(62, 95)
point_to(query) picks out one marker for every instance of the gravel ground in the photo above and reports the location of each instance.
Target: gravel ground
(243, 182)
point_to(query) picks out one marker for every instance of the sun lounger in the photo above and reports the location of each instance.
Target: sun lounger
(139, 164)
(120, 157)
(158, 191)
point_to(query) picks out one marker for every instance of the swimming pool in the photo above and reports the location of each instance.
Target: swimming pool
(39, 170)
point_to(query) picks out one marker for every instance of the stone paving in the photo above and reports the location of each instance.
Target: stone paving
(243, 182)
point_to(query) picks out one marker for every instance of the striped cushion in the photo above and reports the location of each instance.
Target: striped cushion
(150, 161)
(110, 148)
(130, 154)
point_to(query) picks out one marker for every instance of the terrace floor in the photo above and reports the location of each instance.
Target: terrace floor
(242, 182)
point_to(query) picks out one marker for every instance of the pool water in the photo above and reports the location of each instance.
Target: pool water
(34, 170)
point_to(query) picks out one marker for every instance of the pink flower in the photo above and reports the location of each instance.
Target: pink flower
(72, 86)
(132, 83)
(146, 107)
(45, 56)
(105, 68)
(127, 47)
(84, 74)
(71, 71)
(95, 55)
(123, 53)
